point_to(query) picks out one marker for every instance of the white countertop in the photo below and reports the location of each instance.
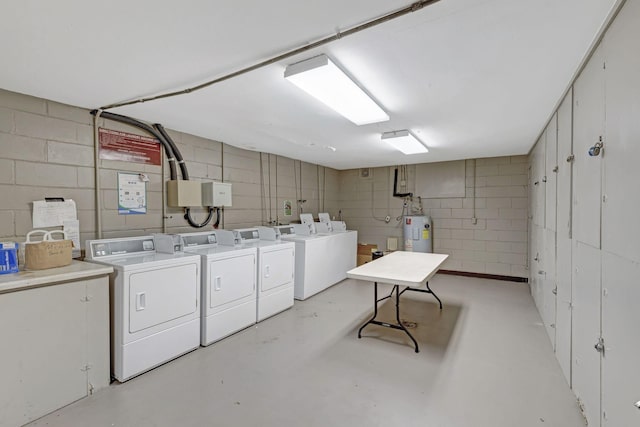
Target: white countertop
(411, 269)
(77, 270)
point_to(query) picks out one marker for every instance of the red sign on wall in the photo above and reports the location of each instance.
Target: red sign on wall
(128, 147)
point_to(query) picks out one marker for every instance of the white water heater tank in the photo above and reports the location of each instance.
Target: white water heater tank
(417, 233)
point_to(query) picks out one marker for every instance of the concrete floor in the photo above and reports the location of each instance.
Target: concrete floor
(485, 360)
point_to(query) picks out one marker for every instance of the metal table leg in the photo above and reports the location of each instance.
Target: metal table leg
(426, 291)
(399, 325)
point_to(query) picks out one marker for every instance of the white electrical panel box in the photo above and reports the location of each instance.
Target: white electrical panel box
(216, 194)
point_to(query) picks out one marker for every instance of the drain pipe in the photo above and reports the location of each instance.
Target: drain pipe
(413, 7)
(96, 170)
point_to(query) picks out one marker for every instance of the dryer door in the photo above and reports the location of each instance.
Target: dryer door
(162, 295)
(231, 280)
(276, 268)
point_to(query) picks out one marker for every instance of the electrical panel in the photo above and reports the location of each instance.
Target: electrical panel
(216, 194)
(182, 193)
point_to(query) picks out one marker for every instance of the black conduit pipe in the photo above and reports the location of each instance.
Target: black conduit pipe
(171, 151)
(140, 125)
(395, 186)
(175, 150)
(185, 176)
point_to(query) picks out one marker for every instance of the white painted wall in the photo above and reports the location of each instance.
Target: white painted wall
(497, 244)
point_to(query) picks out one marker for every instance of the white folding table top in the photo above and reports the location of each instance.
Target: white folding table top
(411, 269)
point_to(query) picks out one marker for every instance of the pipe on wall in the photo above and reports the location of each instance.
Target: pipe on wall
(96, 170)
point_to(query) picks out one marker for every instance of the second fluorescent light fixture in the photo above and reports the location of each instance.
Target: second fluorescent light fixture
(322, 79)
(404, 141)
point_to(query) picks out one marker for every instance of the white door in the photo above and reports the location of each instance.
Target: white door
(549, 284)
(586, 330)
(620, 323)
(162, 295)
(536, 181)
(620, 230)
(549, 248)
(536, 266)
(588, 114)
(563, 239)
(231, 279)
(276, 268)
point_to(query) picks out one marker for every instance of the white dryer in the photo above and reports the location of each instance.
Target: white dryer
(155, 303)
(228, 283)
(322, 259)
(276, 266)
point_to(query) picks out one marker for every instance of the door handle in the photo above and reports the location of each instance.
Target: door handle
(141, 301)
(217, 283)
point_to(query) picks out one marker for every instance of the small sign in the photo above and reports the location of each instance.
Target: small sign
(287, 208)
(128, 147)
(132, 194)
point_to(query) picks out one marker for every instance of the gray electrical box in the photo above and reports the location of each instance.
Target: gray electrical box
(184, 193)
(216, 194)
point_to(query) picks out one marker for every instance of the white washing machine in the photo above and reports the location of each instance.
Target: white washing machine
(228, 283)
(276, 266)
(155, 303)
(322, 260)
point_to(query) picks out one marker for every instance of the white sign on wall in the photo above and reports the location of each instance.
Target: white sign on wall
(132, 194)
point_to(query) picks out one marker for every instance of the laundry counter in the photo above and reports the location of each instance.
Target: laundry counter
(54, 329)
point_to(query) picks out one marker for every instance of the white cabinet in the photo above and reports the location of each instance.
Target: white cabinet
(55, 339)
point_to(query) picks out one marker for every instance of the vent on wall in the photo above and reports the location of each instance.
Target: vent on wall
(365, 173)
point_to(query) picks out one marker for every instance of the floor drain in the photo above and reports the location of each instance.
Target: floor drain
(409, 325)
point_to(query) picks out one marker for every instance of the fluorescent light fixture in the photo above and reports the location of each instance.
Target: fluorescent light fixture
(323, 80)
(404, 141)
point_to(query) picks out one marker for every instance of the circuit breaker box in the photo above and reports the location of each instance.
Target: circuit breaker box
(216, 194)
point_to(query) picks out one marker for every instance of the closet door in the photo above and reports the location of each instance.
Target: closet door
(549, 251)
(620, 230)
(588, 101)
(536, 223)
(563, 238)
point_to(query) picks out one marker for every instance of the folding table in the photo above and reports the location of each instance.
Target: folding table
(400, 268)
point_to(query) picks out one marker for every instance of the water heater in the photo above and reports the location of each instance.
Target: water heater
(417, 233)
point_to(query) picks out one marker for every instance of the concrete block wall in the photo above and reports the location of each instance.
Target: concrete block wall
(496, 244)
(46, 150)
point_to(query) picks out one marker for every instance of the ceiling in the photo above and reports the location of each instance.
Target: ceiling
(470, 78)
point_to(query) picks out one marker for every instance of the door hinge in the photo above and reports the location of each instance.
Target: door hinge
(600, 346)
(571, 158)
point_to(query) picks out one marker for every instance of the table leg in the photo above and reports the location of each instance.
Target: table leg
(426, 291)
(375, 308)
(400, 322)
(399, 325)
